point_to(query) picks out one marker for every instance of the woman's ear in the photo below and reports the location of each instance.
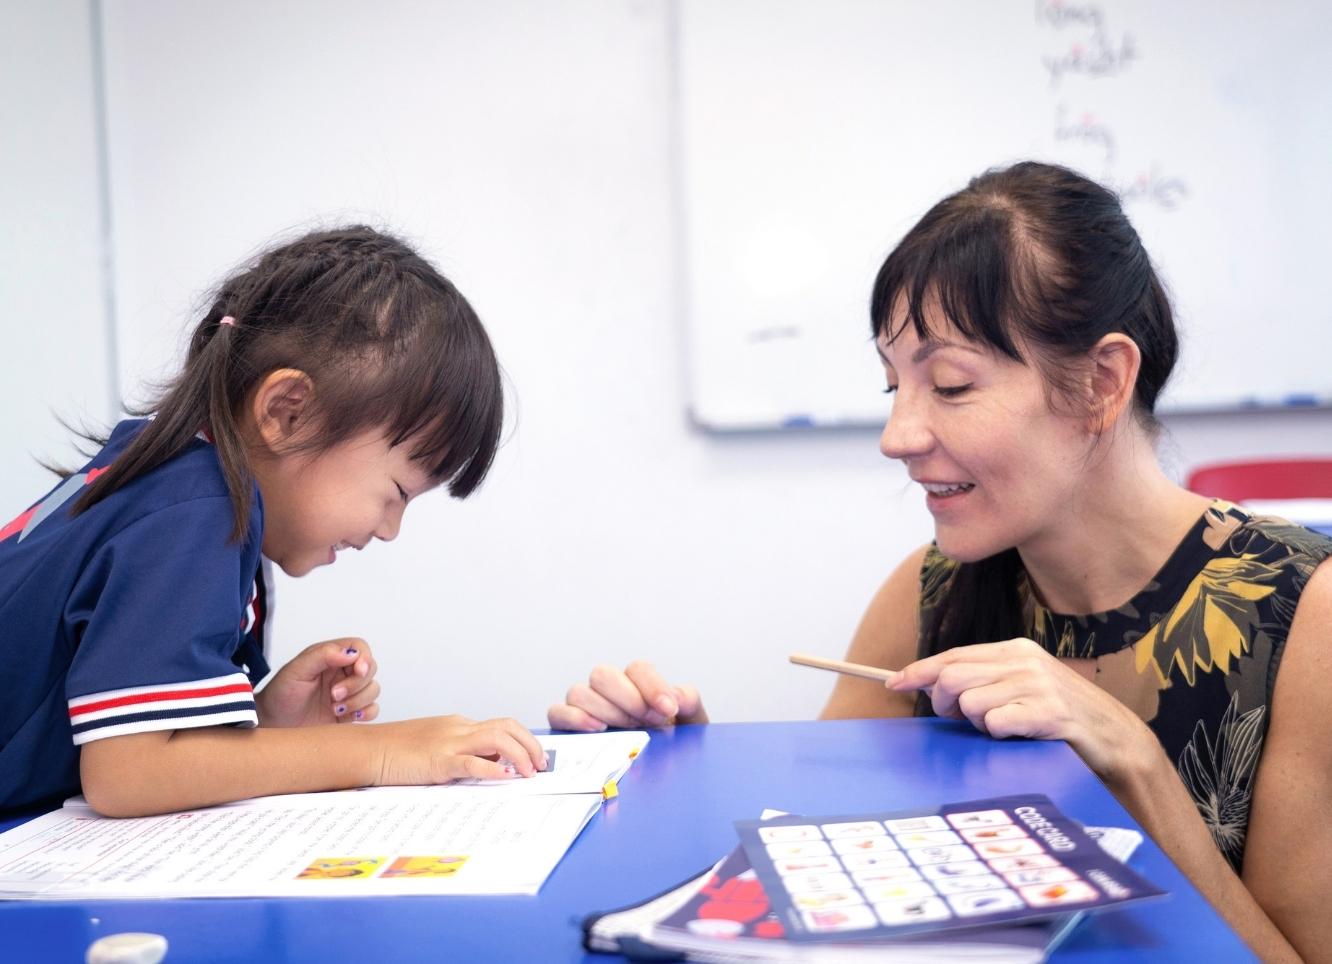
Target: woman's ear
(281, 408)
(1115, 362)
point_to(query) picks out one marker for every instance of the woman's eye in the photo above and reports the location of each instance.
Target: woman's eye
(402, 493)
(891, 389)
(951, 391)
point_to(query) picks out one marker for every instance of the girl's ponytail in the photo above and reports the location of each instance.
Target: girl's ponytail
(196, 401)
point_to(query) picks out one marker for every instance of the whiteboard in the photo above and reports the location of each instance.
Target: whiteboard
(813, 135)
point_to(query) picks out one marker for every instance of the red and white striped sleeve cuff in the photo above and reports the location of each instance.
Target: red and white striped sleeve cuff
(167, 706)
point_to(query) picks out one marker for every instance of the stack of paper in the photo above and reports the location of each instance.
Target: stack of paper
(469, 837)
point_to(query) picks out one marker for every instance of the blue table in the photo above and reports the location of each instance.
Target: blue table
(672, 819)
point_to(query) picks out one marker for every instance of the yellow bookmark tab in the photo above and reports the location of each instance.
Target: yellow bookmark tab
(610, 791)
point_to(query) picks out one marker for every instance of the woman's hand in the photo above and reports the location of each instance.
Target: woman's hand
(1016, 688)
(329, 682)
(634, 697)
(438, 749)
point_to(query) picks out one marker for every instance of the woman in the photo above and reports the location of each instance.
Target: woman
(1073, 591)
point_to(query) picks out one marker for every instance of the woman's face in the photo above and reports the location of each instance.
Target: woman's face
(976, 430)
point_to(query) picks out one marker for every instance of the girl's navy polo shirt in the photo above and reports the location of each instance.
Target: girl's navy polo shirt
(139, 614)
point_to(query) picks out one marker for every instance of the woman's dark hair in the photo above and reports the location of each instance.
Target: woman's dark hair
(1030, 258)
(386, 339)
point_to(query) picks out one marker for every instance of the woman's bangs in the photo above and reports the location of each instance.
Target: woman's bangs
(964, 273)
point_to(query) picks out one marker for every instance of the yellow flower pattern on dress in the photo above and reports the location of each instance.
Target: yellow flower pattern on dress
(1212, 623)
(1207, 631)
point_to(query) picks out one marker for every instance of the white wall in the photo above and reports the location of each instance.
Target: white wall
(53, 325)
(527, 147)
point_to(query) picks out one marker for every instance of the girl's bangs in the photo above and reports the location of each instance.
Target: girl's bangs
(449, 405)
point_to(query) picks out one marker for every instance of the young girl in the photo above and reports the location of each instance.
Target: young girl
(1074, 592)
(330, 382)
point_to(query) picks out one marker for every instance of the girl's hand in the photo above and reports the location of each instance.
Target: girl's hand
(438, 749)
(636, 697)
(1016, 688)
(329, 682)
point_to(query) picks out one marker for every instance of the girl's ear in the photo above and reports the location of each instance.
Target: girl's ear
(282, 408)
(1115, 362)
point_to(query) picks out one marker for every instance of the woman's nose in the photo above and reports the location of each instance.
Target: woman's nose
(906, 434)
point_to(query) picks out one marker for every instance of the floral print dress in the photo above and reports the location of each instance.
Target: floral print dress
(1196, 651)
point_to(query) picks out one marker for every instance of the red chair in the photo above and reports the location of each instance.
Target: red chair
(1272, 479)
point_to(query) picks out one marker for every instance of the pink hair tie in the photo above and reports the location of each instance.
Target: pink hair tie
(228, 320)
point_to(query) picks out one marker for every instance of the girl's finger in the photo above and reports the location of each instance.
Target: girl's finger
(466, 765)
(358, 700)
(346, 690)
(535, 751)
(509, 749)
(342, 713)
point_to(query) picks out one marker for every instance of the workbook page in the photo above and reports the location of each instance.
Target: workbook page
(325, 845)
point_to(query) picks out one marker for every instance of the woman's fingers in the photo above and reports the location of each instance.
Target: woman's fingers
(563, 716)
(957, 678)
(615, 687)
(632, 697)
(590, 701)
(661, 701)
(690, 705)
(922, 674)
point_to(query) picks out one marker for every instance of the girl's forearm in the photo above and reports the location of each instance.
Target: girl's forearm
(1150, 789)
(150, 773)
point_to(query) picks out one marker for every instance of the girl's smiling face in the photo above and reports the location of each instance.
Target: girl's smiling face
(317, 504)
(319, 501)
(999, 464)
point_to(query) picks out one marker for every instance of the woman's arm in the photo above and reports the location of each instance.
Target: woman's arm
(1288, 855)
(1153, 793)
(1280, 906)
(886, 637)
(1015, 688)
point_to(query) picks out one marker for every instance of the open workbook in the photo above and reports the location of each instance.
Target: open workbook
(468, 837)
